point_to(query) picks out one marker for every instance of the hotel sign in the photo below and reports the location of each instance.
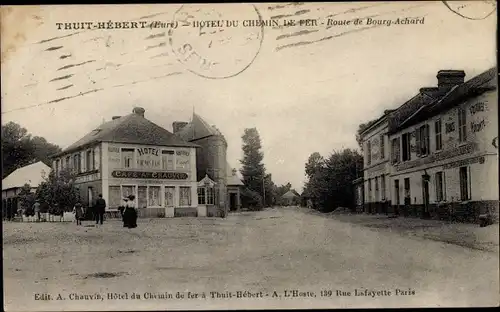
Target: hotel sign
(149, 175)
(461, 150)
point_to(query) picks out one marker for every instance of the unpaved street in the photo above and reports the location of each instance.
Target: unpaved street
(331, 264)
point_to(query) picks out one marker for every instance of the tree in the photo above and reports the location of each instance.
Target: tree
(26, 198)
(19, 148)
(362, 127)
(329, 181)
(58, 189)
(253, 170)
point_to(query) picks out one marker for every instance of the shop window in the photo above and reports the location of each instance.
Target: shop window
(142, 197)
(462, 125)
(439, 136)
(128, 190)
(382, 147)
(210, 196)
(407, 188)
(128, 157)
(395, 151)
(167, 160)
(440, 186)
(464, 183)
(201, 196)
(115, 199)
(406, 147)
(185, 196)
(154, 196)
(376, 189)
(169, 196)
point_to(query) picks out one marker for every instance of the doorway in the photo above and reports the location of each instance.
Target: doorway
(232, 202)
(425, 196)
(396, 193)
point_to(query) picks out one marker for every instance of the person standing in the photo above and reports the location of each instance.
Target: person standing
(78, 211)
(100, 207)
(130, 213)
(36, 208)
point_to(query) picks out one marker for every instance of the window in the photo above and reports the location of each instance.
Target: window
(376, 189)
(422, 140)
(169, 196)
(368, 153)
(128, 157)
(439, 137)
(201, 196)
(57, 165)
(440, 196)
(76, 163)
(90, 160)
(396, 150)
(185, 196)
(382, 186)
(210, 196)
(115, 199)
(407, 188)
(464, 183)
(68, 162)
(142, 196)
(128, 190)
(382, 147)
(154, 196)
(167, 160)
(462, 125)
(396, 191)
(406, 147)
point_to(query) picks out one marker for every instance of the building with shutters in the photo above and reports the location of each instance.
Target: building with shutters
(132, 155)
(439, 158)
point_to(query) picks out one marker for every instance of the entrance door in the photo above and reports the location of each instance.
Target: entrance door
(232, 201)
(169, 196)
(425, 194)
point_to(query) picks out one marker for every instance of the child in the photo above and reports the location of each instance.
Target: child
(78, 211)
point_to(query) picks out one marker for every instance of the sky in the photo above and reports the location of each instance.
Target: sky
(306, 88)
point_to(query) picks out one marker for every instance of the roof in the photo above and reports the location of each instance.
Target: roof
(232, 179)
(289, 194)
(33, 175)
(473, 87)
(197, 129)
(132, 129)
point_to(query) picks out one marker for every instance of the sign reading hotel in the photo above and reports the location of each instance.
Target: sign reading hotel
(148, 158)
(149, 175)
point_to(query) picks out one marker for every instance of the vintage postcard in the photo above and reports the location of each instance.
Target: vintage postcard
(249, 156)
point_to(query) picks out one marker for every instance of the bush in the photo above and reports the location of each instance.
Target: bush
(251, 199)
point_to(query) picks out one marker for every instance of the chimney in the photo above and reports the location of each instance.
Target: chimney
(178, 125)
(115, 117)
(139, 111)
(448, 78)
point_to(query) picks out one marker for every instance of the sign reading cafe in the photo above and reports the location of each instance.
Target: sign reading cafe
(149, 175)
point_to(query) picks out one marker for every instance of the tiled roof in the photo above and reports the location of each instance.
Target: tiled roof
(473, 87)
(33, 175)
(132, 129)
(198, 128)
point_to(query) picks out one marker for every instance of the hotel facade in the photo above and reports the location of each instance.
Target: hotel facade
(436, 156)
(130, 155)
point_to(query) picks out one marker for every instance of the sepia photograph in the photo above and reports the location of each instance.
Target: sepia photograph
(248, 156)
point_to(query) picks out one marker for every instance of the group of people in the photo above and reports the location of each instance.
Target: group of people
(128, 212)
(35, 212)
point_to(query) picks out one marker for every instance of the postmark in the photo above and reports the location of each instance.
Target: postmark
(473, 10)
(217, 41)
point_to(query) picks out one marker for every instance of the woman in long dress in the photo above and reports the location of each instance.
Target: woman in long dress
(130, 213)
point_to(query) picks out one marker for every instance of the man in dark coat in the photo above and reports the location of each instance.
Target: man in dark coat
(100, 207)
